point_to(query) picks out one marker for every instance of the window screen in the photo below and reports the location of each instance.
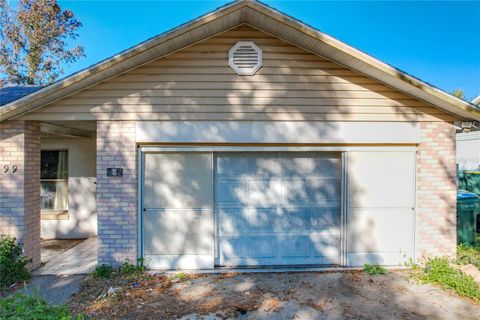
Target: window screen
(54, 179)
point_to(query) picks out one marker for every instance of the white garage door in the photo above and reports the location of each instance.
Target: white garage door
(277, 208)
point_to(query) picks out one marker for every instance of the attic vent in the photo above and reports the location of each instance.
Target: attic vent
(245, 58)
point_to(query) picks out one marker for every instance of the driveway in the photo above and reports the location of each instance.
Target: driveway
(308, 295)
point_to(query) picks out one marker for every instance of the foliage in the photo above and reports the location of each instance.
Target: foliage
(468, 254)
(374, 269)
(179, 276)
(12, 263)
(22, 306)
(459, 93)
(103, 271)
(439, 271)
(33, 41)
(127, 268)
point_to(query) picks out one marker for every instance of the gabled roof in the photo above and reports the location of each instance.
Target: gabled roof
(11, 93)
(262, 17)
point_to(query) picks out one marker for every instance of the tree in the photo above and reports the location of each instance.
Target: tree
(33, 41)
(459, 93)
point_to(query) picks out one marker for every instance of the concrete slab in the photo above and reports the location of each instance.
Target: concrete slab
(80, 259)
(55, 289)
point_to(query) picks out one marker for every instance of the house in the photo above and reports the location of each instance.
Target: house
(242, 138)
(468, 146)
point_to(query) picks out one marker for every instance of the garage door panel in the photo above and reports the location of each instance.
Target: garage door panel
(177, 180)
(295, 246)
(310, 191)
(232, 221)
(177, 210)
(381, 215)
(381, 230)
(323, 218)
(280, 211)
(181, 231)
(309, 165)
(382, 179)
(263, 165)
(297, 219)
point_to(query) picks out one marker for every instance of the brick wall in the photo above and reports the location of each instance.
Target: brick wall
(436, 191)
(20, 190)
(116, 197)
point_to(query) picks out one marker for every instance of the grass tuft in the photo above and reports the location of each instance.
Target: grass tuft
(22, 306)
(374, 269)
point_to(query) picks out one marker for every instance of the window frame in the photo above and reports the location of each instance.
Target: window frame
(56, 214)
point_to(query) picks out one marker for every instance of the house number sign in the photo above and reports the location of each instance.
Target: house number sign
(114, 172)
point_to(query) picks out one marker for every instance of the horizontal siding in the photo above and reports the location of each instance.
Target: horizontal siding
(196, 83)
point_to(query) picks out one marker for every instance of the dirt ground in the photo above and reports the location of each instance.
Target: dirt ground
(52, 248)
(309, 295)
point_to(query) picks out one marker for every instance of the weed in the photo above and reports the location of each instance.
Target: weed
(127, 268)
(439, 271)
(103, 271)
(22, 306)
(179, 276)
(374, 269)
(12, 263)
(469, 254)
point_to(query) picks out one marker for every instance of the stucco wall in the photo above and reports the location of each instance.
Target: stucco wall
(468, 150)
(82, 221)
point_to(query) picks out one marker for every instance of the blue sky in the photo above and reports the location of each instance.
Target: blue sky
(438, 42)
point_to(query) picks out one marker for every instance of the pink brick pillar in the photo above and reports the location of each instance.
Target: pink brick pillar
(20, 190)
(116, 196)
(436, 191)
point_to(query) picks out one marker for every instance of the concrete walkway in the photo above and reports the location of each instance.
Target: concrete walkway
(55, 289)
(80, 259)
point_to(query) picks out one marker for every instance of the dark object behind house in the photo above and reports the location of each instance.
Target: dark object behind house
(11, 93)
(472, 181)
(467, 209)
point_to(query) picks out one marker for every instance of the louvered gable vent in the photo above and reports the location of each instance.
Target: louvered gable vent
(245, 58)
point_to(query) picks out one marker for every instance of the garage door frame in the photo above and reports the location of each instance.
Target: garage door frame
(143, 149)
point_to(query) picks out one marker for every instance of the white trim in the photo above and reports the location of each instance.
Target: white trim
(200, 148)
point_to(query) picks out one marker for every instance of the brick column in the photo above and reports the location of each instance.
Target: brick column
(436, 191)
(20, 190)
(116, 196)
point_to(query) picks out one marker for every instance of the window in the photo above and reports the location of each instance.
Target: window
(54, 180)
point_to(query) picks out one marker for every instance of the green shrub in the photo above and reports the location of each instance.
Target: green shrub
(103, 271)
(12, 263)
(127, 268)
(439, 271)
(374, 269)
(22, 306)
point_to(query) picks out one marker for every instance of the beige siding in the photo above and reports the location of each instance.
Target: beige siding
(196, 83)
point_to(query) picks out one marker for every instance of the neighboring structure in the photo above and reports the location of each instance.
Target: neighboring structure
(246, 138)
(468, 147)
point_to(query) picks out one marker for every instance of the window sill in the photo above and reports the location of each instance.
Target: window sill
(55, 215)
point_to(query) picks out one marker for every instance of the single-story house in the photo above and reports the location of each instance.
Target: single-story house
(468, 146)
(243, 138)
